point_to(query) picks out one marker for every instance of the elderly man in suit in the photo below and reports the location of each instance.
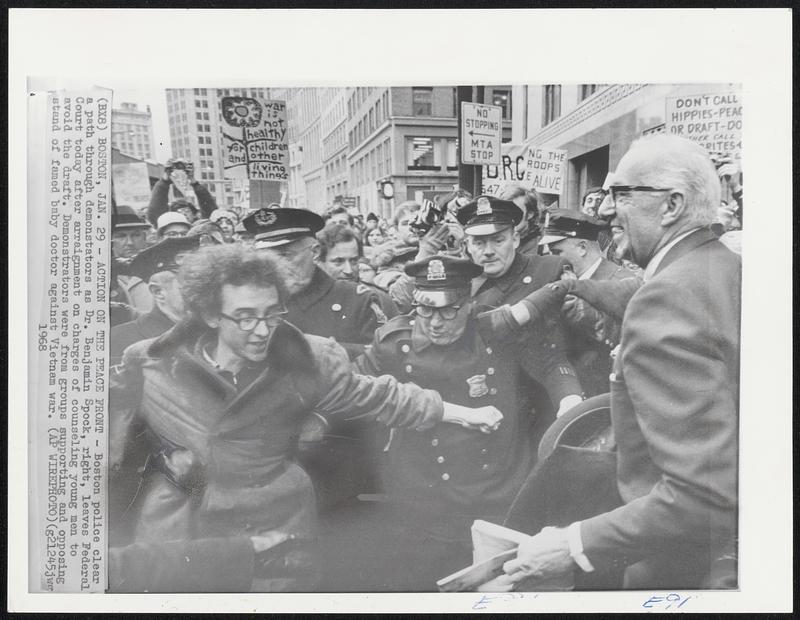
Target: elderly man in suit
(674, 388)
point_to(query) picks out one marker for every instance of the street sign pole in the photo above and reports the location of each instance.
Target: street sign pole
(466, 173)
(477, 171)
(480, 137)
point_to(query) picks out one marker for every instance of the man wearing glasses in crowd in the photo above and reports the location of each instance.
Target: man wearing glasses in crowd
(226, 394)
(674, 389)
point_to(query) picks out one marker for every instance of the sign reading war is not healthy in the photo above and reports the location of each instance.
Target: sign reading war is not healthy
(256, 148)
(533, 167)
(714, 121)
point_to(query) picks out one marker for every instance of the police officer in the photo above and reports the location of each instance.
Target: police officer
(317, 304)
(156, 266)
(591, 334)
(440, 480)
(508, 276)
(322, 306)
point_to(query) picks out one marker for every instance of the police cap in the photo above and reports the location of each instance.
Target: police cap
(566, 223)
(272, 227)
(441, 280)
(165, 255)
(486, 215)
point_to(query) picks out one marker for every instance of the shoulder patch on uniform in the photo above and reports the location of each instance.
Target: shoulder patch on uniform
(362, 288)
(393, 326)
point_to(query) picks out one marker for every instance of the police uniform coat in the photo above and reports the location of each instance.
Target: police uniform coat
(674, 410)
(453, 474)
(242, 439)
(542, 351)
(336, 309)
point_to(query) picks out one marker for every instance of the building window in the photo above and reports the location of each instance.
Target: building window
(422, 100)
(455, 102)
(387, 153)
(588, 89)
(379, 158)
(503, 99)
(420, 154)
(199, 128)
(551, 106)
(452, 155)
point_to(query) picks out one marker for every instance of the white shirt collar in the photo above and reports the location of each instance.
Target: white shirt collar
(652, 266)
(592, 268)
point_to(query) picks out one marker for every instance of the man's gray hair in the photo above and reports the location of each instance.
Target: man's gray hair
(677, 163)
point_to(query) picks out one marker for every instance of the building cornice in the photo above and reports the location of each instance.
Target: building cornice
(592, 106)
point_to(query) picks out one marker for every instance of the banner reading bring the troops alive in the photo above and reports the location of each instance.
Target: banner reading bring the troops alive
(68, 390)
(533, 167)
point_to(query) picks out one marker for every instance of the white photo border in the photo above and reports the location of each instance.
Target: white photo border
(69, 47)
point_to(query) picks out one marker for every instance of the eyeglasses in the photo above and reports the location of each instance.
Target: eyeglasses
(625, 189)
(249, 323)
(448, 313)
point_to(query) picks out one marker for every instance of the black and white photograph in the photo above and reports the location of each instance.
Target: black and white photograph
(479, 339)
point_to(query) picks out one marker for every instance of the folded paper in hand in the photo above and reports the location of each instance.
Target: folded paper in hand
(492, 546)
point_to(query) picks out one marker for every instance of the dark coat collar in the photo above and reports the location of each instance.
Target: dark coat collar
(153, 323)
(510, 277)
(319, 286)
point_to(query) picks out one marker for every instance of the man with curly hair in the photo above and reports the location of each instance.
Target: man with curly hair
(227, 393)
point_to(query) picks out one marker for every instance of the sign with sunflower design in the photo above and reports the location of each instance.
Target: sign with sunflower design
(255, 144)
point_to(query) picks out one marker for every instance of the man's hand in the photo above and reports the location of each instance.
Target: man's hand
(168, 168)
(544, 558)
(567, 403)
(729, 171)
(433, 241)
(725, 215)
(312, 431)
(485, 419)
(189, 167)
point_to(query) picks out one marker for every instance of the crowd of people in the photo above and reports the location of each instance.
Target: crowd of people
(327, 403)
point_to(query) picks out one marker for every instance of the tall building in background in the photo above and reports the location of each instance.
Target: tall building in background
(132, 130)
(343, 141)
(407, 135)
(334, 144)
(195, 129)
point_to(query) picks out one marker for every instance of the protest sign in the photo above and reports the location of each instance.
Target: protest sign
(255, 140)
(714, 121)
(533, 167)
(131, 185)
